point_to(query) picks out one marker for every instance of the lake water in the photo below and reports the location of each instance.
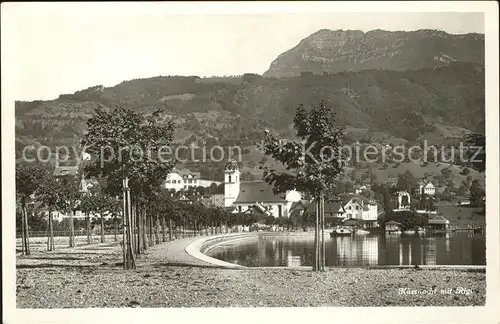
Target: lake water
(454, 248)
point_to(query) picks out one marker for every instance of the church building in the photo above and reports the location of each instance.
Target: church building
(248, 196)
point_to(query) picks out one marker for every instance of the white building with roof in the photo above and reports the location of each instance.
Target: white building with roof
(359, 207)
(426, 187)
(182, 179)
(255, 196)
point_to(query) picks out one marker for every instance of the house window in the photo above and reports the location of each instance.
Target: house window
(229, 178)
(168, 181)
(357, 207)
(280, 210)
(349, 208)
(239, 209)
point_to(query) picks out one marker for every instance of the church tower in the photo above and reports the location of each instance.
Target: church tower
(231, 183)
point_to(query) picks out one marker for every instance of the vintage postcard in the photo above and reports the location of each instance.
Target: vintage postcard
(250, 161)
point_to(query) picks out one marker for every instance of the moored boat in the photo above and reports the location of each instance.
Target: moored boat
(341, 232)
(360, 231)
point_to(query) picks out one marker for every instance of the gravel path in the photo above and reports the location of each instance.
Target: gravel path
(167, 276)
(174, 253)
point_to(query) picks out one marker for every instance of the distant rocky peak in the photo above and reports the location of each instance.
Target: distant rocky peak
(334, 51)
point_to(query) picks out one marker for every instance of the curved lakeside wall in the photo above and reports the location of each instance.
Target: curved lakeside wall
(198, 248)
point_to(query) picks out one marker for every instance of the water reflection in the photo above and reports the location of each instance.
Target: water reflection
(364, 250)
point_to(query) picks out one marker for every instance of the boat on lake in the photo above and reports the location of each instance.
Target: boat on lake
(409, 232)
(341, 232)
(360, 231)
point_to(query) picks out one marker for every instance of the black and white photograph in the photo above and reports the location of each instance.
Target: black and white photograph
(248, 155)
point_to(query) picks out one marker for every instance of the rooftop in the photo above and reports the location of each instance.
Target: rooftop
(332, 206)
(257, 191)
(186, 173)
(438, 220)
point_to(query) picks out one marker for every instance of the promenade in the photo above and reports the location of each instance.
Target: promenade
(167, 276)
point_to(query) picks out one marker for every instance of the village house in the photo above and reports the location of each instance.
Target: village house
(359, 207)
(240, 196)
(360, 188)
(332, 209)
(185, 179)
(439, 222)
(427, 188)
(182, 179)
(401, 200)
(393, 226)
(342, 208)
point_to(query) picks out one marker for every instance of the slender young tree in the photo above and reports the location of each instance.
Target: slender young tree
(72, 194)
(88, 207)
(28, 180)
(127, 149)
(50, 194)
(313, 164)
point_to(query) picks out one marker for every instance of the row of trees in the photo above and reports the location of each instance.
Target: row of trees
(40, 192)
(159, 218)
(137, 178)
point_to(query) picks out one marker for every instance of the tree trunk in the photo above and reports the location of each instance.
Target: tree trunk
(130, 260)
(115, 227)
(195, 227)
(133, 215)
(322, 215)
(27, 232)
(176, 231)
(170, 229)
(157, 231)
(103, 239)
(150, 228)
(138, 245)
(212, 228)
(71, 229)
(316, 227)
(87, 220)
(124, 228)
(163, 234)
(51, 232)
(144, 229)
(22, 231)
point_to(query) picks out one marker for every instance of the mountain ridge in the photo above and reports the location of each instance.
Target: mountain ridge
(410, 105)
(333, 51)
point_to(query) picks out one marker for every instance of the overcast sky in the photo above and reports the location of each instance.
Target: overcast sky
(64, 49)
